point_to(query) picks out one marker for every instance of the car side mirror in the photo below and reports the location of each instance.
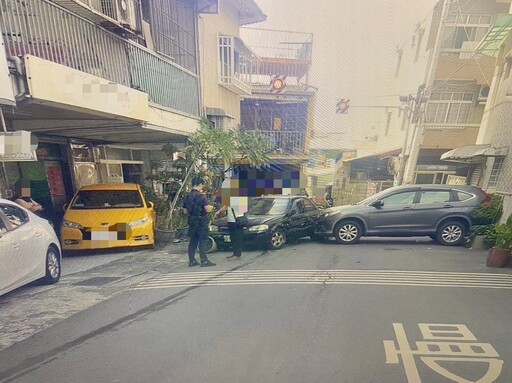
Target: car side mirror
(151, 205)
(292, 212)
(65, 206)
(378, 203)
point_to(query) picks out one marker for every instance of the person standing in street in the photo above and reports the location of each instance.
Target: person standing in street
(236, 231)
(197, 207)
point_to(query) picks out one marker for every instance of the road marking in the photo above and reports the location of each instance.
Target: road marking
(439, 345)
(330, 277)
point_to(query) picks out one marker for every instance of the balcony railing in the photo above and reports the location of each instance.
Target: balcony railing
(286, 141)
(46, 30)
(235, 64)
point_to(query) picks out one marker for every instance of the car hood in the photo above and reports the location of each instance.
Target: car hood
(252, 219)
(104, 217)
(343, 209)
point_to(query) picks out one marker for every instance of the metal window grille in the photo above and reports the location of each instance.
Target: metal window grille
(495, 173)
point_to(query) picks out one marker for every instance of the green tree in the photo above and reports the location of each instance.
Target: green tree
(209, 153)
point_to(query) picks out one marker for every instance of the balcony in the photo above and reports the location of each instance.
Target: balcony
(235, 65)
(44, 29)
(284, 53)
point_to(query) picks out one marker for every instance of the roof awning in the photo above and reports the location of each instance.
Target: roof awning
(217, 112)
(491, 43)
(380, 156)
(473, 153)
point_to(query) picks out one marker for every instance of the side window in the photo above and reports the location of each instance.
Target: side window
(308, 205)
(3, 228)
(14, 215)
(434, 196)
(404, 198)
(298, 206)
(461, 196)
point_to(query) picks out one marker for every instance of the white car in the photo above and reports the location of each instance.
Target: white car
(29, 248)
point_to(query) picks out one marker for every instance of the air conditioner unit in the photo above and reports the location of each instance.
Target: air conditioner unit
(122, 11)
(483, 93)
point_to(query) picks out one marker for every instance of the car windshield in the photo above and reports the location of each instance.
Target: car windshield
(268, 206)
(107, 199)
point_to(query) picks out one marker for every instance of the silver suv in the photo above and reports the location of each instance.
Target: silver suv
(442, 212)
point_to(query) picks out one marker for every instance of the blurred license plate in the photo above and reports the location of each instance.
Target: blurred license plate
(227, 238)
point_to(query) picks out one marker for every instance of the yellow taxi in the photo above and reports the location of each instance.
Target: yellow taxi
(106, 216)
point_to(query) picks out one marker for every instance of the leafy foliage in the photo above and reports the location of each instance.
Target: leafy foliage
(490, 213)
(209, 153)
(504, 234)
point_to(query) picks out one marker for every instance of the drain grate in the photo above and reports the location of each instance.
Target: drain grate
(96, 281)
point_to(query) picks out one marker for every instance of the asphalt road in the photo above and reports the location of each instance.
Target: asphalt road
(382, 311)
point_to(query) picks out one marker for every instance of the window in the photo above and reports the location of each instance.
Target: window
(449, 108)
(435, 196)
(461, 196)
(462, 28)
(308, 205)
(15, 215)
(107, 199)
(404, 198)
(495, 173)
(299, 207)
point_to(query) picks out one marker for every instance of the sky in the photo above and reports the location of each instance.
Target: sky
(354, 57)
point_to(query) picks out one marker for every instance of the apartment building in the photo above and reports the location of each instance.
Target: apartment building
(444, 87)
(489, 158)
(98, 83)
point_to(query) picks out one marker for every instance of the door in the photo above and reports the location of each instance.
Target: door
(311, 213)
(298, 221)
(395, 216)
(20, 240)
(5, 256)
(432, 206)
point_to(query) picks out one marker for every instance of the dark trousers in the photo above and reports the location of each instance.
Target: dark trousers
(237, 238)
(198, 234)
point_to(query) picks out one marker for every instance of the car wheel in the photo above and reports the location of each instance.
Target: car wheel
(277, 239)
(347, 232)
(451, 233)
(53, 266)
(212, 245)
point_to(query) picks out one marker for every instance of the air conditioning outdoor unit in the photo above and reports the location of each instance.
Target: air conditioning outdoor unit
(122, 11)
(483, 93)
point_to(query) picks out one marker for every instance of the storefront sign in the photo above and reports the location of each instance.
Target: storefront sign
(18, 146)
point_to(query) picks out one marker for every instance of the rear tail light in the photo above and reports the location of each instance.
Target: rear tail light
(487, 200)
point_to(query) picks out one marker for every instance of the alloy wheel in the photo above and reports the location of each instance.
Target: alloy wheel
(53, 265)
(277, 239)
(451, 233)
(348, 232)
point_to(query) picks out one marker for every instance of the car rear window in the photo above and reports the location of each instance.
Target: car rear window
(107, 199)
(461, 196)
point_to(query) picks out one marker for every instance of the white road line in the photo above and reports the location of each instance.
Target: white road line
(330, 277)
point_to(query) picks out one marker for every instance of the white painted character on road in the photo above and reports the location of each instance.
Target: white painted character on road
(445, 343)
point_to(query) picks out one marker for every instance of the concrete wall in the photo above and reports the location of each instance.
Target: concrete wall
(210, 26)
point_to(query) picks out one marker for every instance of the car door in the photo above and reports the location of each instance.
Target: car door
(5, 255)
(25, 260)
(311, 213)
(432, 206)
(394, 216)
(298, 219)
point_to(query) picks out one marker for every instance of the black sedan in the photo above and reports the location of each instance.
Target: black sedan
(272, 220)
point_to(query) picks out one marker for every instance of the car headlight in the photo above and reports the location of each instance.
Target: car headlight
(213, 228)
(139, 222)
(258, 228)
(326, 214)
(72, 225)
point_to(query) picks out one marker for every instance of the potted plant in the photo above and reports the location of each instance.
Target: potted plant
(499, 255)
(484, 218)
(209, 153)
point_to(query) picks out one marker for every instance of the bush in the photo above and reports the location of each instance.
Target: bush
(488, 214)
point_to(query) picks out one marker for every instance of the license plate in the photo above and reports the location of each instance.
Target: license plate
(104, 235)
(227, 238)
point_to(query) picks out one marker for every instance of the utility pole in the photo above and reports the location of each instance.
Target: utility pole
(422, 96)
